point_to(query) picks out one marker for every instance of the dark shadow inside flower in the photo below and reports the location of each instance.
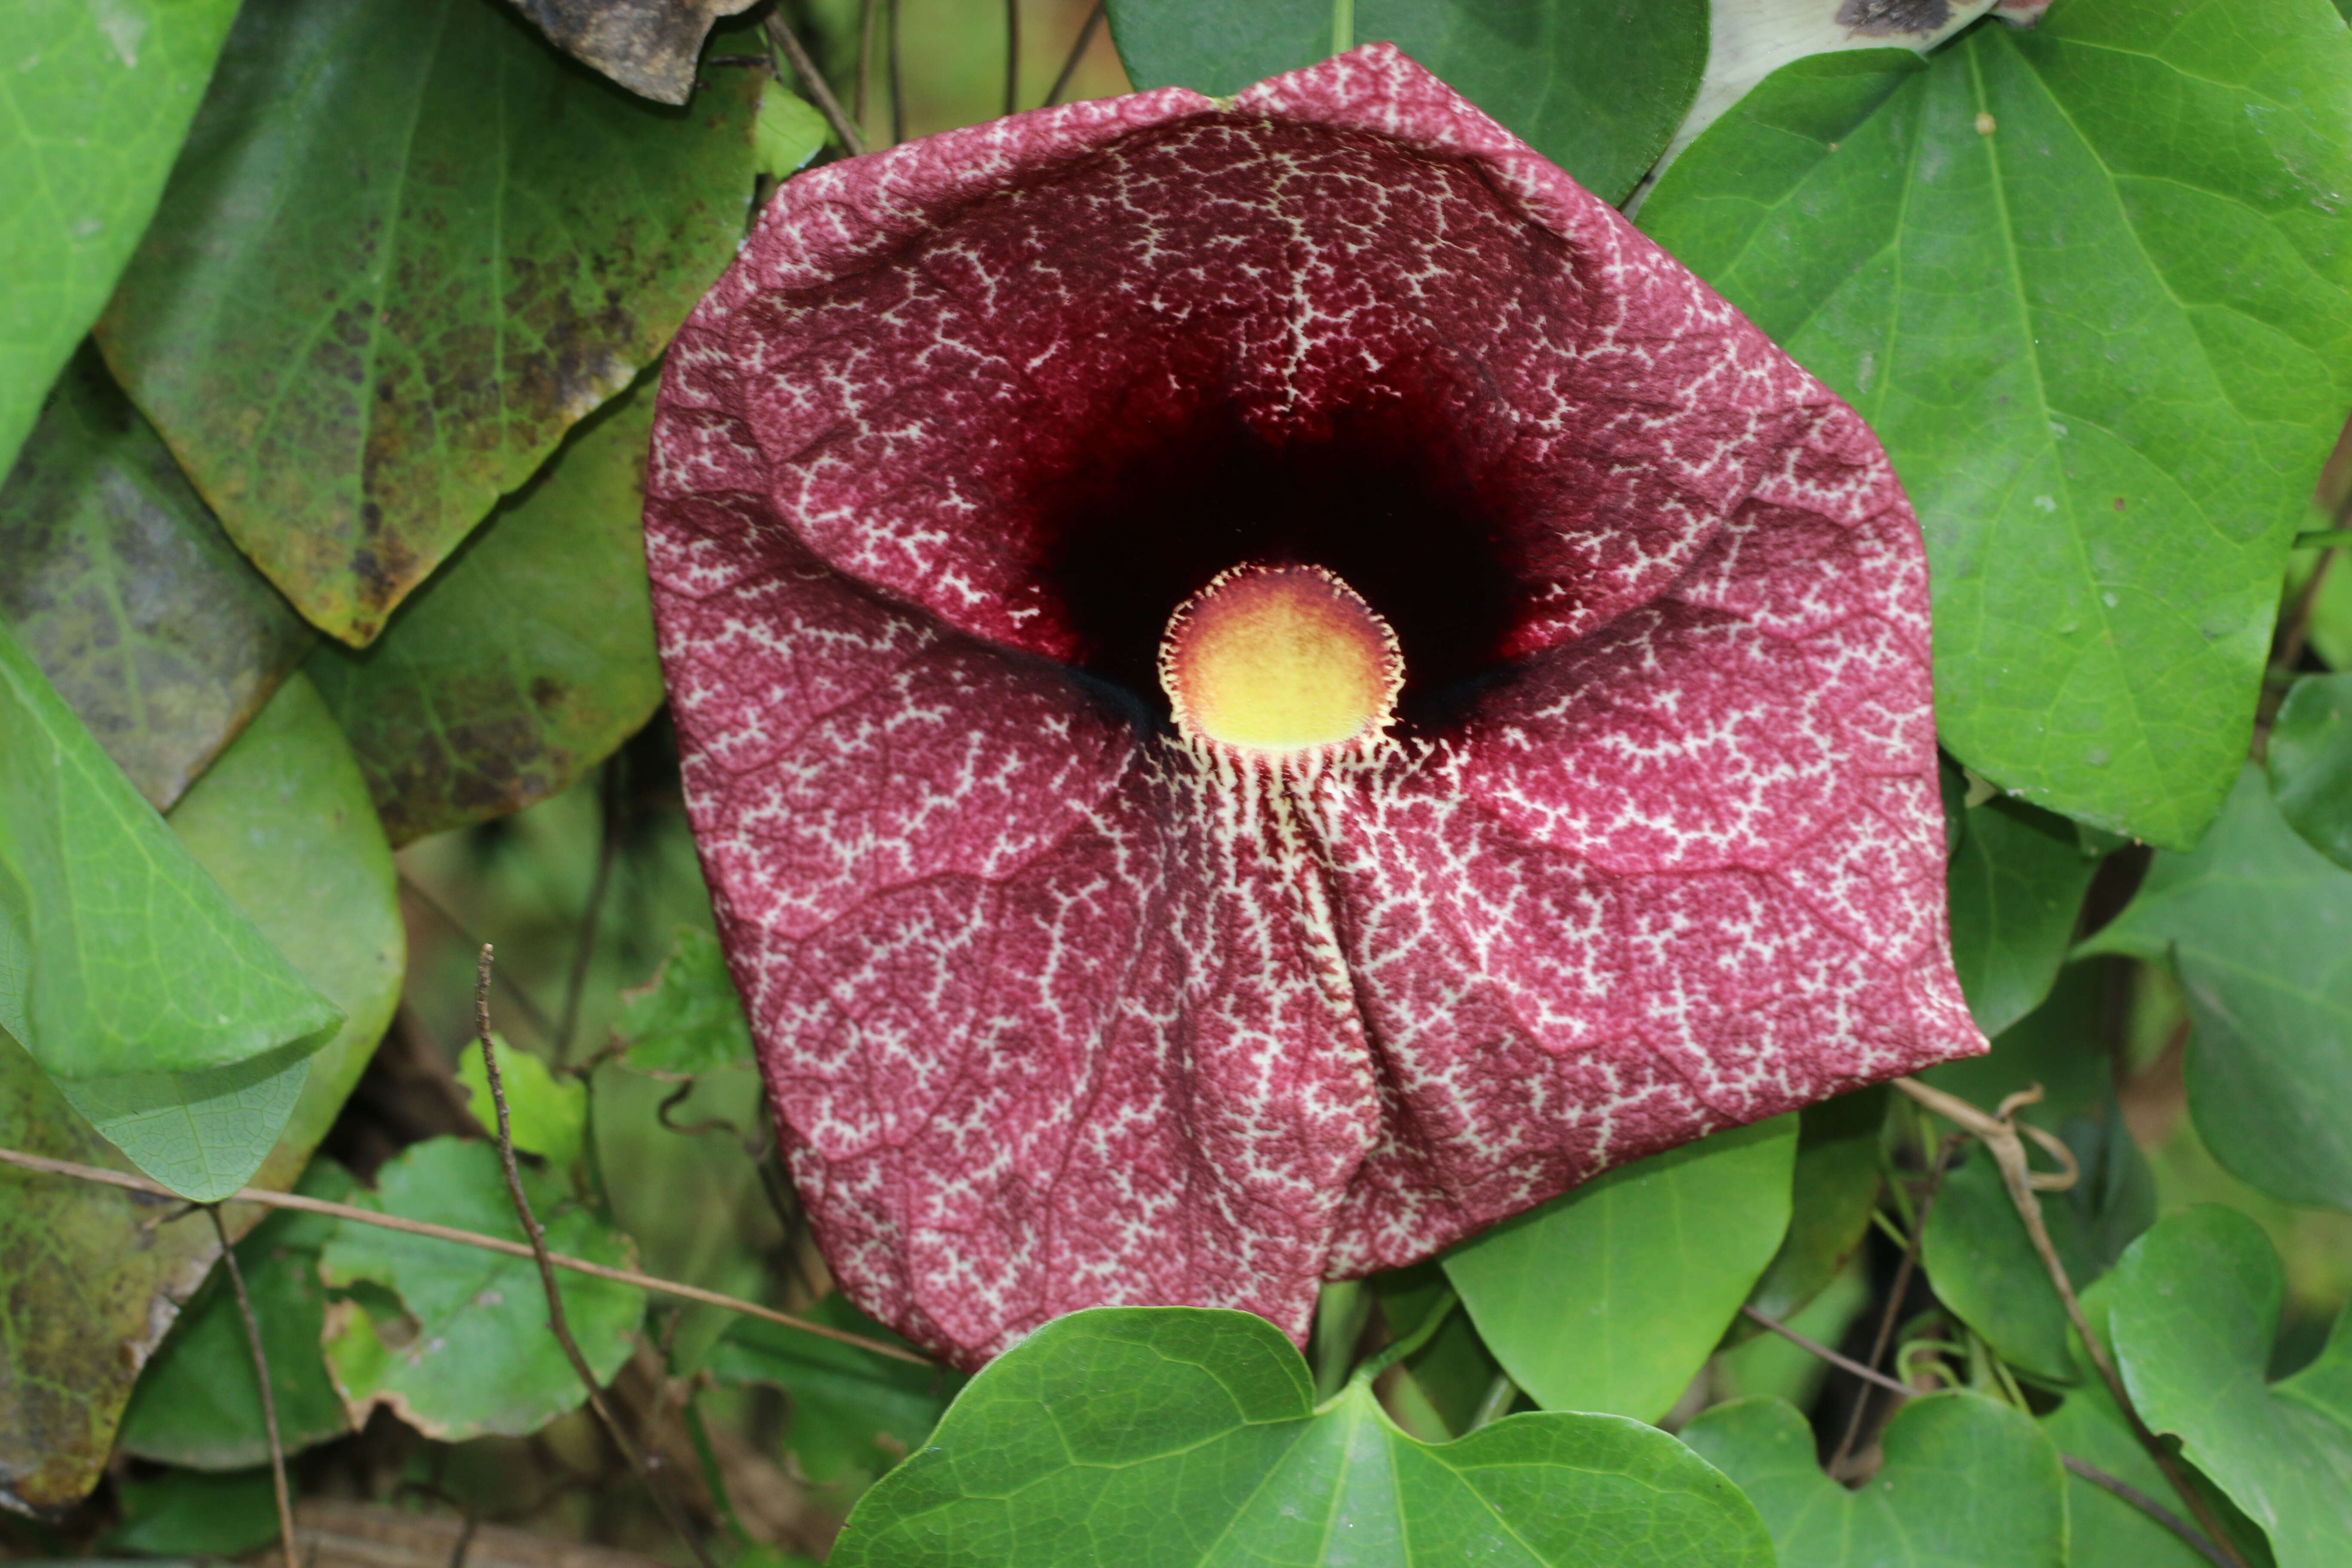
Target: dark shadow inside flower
(1381, 498)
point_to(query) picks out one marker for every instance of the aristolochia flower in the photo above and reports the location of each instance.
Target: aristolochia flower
(1263, 684)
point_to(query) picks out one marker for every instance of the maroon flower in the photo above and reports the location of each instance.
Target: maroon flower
(1544, 774)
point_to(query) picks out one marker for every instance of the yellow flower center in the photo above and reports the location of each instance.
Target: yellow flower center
(1280, 659)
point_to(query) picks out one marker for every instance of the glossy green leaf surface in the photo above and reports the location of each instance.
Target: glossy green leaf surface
(2107, 1532)
(686, 1019)
(1611, 1297)
(125, 591)
(2089, 283)
(126, 955)
(96, 101)
(1179, 1436)
(197, 1404)
(2259, 924)
(87, 1279)
(1594, 86)
(788, 133)
(1832, 1190)
(546, 1115)
(2310, 761)
(2015, 887)
(2191, 1312)
(282, 823)
(406, 246)
(852, 1410)
(1968, 1483)
(529, 656)
(470, 1353)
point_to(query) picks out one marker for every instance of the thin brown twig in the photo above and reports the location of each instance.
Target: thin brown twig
(1844, 1363)
(813, 83)
(1012, 55)
(262, 1379)
(1999, 1133)
(2116, 1487)
(2296, 629)
(557, 1320)
(1077, 52)
(264, 1198)
(1902, 1285)
(2083, 1468)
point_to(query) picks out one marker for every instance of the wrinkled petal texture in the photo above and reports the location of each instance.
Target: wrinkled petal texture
(1056, 1011)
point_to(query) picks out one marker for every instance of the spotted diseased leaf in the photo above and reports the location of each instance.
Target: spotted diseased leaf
(1064, 998)
(463, 1348)
(468, 244)
(529, 656)
(1174, 1437)
(122, 588)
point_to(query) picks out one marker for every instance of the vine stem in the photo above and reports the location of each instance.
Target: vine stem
(813, 82)
(1902, 1273)
(557, 1322)
(262, 1379)
(1999, 1133)
(262, 1197)
(2112, 1485)
(1077, 52)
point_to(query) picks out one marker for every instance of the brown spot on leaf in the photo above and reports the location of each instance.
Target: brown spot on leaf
(1889, 18)
(649, 47)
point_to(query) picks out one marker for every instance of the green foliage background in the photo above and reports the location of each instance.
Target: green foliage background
(326, 656)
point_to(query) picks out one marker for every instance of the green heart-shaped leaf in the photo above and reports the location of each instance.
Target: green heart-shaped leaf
(2259, 924)
(98, 98)
(470, 1354)
(1613, 1296)
(2092, 284)
(2192, 1311)
(1966, 1483)
(1163, 1437)
(2310, 762)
